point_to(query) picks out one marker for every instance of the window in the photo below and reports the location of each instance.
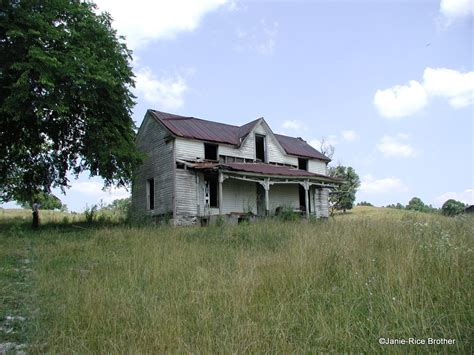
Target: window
(210, 151)
(303, 164)
(212, 191)
(260, 147)
(150, 191)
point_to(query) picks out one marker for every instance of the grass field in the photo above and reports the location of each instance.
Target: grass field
(272, 286)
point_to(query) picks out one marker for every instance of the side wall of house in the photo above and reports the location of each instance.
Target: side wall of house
(321, 202)
(186, 193)
(317, 166)
(155, 142)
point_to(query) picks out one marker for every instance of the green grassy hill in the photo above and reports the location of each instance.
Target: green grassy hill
(272, 286)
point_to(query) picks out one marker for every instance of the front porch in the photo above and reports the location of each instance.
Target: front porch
(253, 190)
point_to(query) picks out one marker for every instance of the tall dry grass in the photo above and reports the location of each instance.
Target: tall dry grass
(266, 287)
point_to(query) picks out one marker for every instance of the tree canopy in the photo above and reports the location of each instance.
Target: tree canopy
(452, 207)
(343, 197)
(65, 98)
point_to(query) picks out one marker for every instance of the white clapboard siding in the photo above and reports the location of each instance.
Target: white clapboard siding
(322, 205)
(158, 165)
(239, 196)
(186, 193)
(316, 166)
(283, 195)
(189, 149)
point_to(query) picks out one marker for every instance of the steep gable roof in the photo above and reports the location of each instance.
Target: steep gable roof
(196, 128)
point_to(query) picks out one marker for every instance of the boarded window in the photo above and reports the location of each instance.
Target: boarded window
(212, 191)
(303, 164)
(260, 147)
(150, 191)
(210, 151)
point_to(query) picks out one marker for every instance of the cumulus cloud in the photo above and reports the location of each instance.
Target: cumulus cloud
(401, 100)
(466, 196)
(292, 124)
(371, 185)
(92, 190)
(405, 100)
(454, 9)
(456, 87)
(396, 146)
(350, 135)
(166, 92)
(143, 20)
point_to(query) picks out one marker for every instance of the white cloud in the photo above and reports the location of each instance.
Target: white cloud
(92, 190)
(466, 196)
(371, 185)
(166, 92)
(455, 86)
(401, 100)
(142, 21)
(405, 100)
(395, 146)
(292, 124)
(453, 9)
(350, 135)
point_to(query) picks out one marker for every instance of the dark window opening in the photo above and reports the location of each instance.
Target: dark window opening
(212, 191)
(210, 151)
(179, 165)
(260, 147)
(150, 184)
(303, 164)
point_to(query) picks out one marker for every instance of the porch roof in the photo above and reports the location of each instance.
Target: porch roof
(264, 169)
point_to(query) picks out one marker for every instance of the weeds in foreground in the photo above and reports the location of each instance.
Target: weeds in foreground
(266, 287)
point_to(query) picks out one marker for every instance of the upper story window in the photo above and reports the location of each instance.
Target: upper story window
(210, 151)
(260, 148)
(303, 164)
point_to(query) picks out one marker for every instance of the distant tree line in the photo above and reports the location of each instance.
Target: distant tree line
(450, 208)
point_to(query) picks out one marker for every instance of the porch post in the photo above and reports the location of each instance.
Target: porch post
(306, 197)
(266, 186)
(221, 180)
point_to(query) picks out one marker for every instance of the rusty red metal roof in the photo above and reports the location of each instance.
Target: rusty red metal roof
(263, 168)
(196, 128)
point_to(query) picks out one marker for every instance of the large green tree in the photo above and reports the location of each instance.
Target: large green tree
(65, 97)
(452, 207)
(343, 197)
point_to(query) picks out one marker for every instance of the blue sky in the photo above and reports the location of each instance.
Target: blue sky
(389, 83)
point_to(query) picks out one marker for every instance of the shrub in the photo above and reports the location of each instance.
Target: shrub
(90, 213)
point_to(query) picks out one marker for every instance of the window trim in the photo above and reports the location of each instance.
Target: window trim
(264, 160)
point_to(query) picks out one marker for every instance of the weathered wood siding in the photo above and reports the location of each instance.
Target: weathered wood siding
(239, 196)
(158, 164)
(317, 166)
(321, 197)
(186, 193)
(189, 149)
(283, 195)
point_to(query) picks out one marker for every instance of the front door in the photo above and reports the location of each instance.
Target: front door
(260, 200)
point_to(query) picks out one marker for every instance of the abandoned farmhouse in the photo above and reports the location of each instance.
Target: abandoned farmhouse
(196, 170)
